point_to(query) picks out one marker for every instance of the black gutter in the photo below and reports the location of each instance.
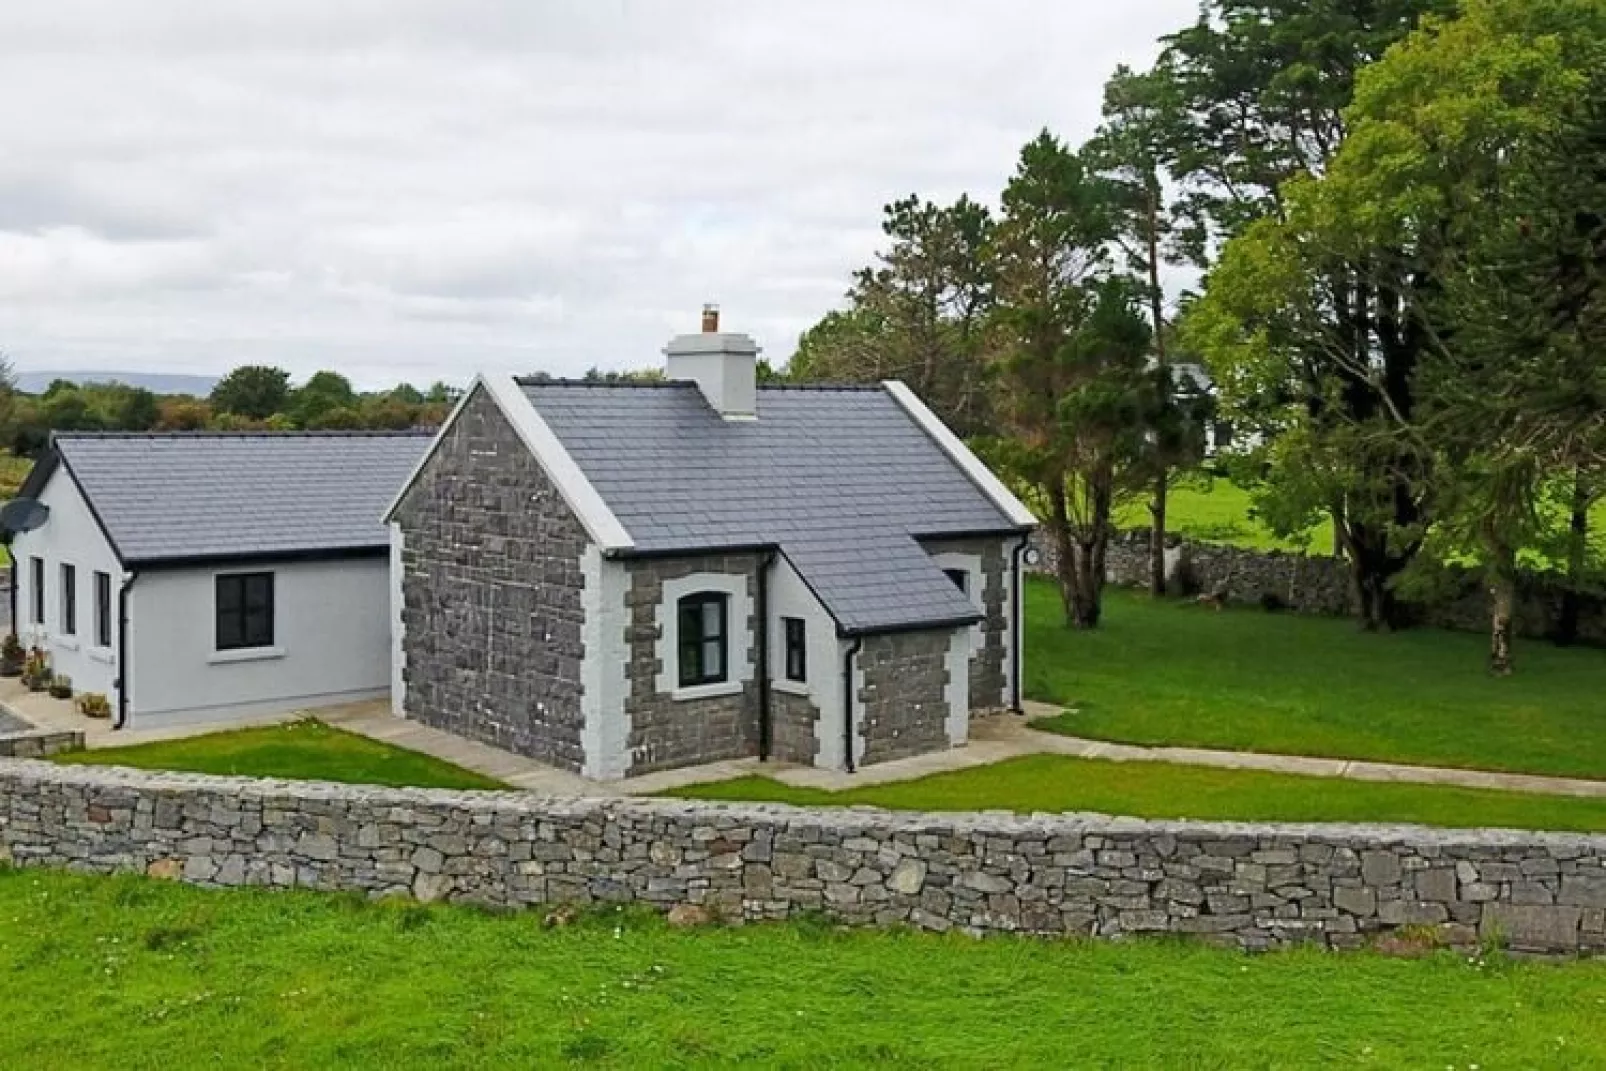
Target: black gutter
(122, 651)
(763, 657)
(914, 626)
(269, 557)
(847, 703)
(1018, 612)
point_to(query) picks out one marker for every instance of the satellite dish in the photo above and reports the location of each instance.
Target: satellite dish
(23, 515)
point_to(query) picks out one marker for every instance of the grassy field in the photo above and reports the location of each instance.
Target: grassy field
(1173, 673)
(1218, 511)
(1057, 783)
(126, 972)
(308, 750)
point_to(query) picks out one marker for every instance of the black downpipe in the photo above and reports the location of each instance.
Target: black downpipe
(1016, 627)
(13, 595)
(763, 667)
(122, 651)
(847, 702)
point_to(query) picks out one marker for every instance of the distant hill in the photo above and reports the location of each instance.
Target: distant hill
(156, 382)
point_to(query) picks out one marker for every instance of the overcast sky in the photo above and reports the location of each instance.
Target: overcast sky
(416, 189)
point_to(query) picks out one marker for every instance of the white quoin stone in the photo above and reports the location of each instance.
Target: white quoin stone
(723, 365)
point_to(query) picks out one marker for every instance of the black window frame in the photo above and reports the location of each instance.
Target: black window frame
(243, 614)
(795, 662)
(103, 609)
(69, 599)
(37, 576)
(694, 642)
(961, 579)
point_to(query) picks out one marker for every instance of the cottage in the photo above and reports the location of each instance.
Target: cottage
(208, 576)
(620, 578)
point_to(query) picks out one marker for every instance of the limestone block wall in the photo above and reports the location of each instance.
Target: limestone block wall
(492, 587)
(902, 689)
(1255, 886)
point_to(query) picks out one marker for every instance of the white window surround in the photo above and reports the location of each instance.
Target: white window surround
(975, 585)
(103, 654)
(65, 643)
(739, 641)
(782, 684)
(245, 654)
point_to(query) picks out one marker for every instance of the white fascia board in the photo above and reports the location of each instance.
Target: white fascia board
(600, 523)
(969, 463)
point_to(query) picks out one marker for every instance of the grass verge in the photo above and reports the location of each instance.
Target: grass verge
(127, 972)
(1057, 783)
(305, 750)
(1158, 672)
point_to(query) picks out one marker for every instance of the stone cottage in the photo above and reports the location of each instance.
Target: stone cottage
(620, 578)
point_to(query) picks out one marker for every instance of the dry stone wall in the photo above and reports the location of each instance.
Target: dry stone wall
(39, 743)
(1253, 886)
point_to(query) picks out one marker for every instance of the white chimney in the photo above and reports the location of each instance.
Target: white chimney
(724, 366)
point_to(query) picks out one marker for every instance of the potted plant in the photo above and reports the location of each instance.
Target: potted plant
(94, 705)
(12, 656)
(61, 686)
(36, 670)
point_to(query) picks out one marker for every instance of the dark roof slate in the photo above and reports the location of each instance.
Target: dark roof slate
(841, 480)
(183, 495)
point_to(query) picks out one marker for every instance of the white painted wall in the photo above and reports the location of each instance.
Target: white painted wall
(790, 597)
(604, 681)
(71, 535)
(332, 642)
(398, 627)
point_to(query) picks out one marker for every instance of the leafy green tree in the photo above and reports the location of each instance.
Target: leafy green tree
(919, 314)
(442, 393)
(340, 418)
(1075, 393)
(134, 409)
(320, 394)
(407, 394)
(252, 392)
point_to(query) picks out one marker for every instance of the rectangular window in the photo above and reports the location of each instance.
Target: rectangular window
(702, 639)
(961, 579)
(38, 578)
(244, 611)
(797, 663)
(103, 609)
(69, 599)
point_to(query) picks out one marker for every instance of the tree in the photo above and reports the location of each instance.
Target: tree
(182, 413)
(252, 392)
(320, 394)
(1311, 351)
(133, 409)
(1130, 150)
(441, 393)
(1074, 393)
(918, 314)
(407, 393)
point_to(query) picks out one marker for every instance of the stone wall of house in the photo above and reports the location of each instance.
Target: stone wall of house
(1254, 886)
(989, 680)
(904, 705)
(1319, 584)
(665, 732)
(492, 587)
(793, 722)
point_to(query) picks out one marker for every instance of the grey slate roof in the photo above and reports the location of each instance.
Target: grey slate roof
(842, 480)
(181, 495)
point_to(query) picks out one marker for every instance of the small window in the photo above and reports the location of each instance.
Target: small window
(103, 609)
(702, 639)
(244, 611)
(797, 664)
(38, 568)
(69, 599)
(961, 579)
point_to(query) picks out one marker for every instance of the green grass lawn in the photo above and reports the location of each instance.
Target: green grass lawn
(308, 750)
(1243, 679)
(127, 972)
(1058, 783)
(1218, 511)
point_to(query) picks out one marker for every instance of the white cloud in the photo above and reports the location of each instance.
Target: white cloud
(410, 188)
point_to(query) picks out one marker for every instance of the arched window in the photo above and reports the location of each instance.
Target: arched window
(703, 638)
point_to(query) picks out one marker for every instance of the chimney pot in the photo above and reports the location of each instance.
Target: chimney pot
(710, 319)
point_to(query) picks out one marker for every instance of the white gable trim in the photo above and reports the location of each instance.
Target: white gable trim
(969, 463)
(600, 523)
